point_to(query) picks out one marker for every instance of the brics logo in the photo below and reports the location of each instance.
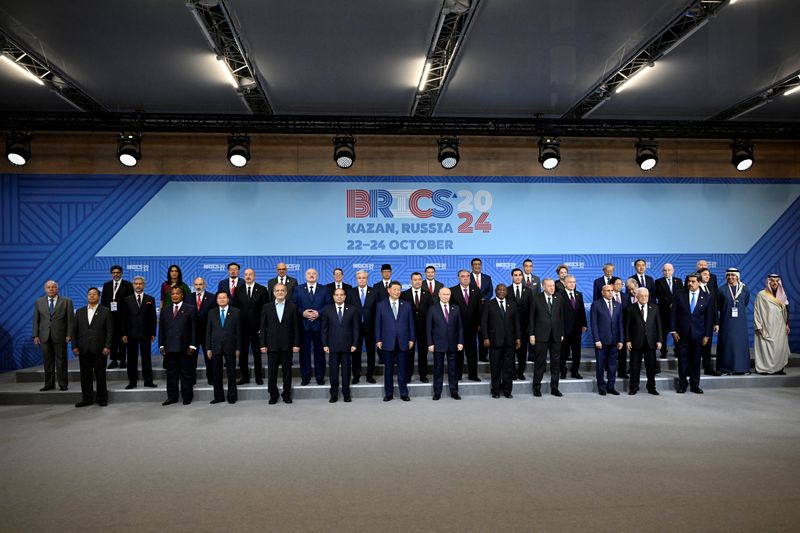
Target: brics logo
(400, 203)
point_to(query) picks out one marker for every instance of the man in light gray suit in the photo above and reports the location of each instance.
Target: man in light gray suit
(52, 326)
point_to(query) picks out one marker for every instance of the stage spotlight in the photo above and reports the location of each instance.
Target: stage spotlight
(344, 151)
(238, 150)
(448, 152)
(742, 154)
(549, 152)
(129, 149)
(18, 147)
(646, 154)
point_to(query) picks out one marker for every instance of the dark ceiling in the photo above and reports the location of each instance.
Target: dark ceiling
(519, 58)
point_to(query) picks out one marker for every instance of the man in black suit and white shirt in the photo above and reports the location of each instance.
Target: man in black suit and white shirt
(641, 277)
(420, 302)
(575, 325)
(521, 295)
(287, 281)
(340, 332)
(232, 283)
(203, 302)
(223, 342)
(114, 293)
(501, 336)
(338, 282)
(52, 330)
(431, 285)
(665, 293)
(177, 331)
(363, 298)
(547, 331)
(382, 287)
(642, 328)
(529, 279)
(249, 300)
(138, 333)
(468, 299)
(92, 333)
(281, 335)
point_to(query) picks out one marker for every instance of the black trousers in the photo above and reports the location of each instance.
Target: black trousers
(367, 339)
(216, 370)
(119, 351)
(540, 351)
(138, 347)
(284, 360)
(337, 360)
(179, 370)
(93, 368)
(571, 345)
(54, 356)
(501, 365)
(622, 360)
(251, 340)
(438, 372)
(689, 356)
(421, 353)
(649, 356)
(470, 352)
(522, 354)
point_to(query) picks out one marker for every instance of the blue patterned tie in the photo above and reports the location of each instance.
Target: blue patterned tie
(363, 296)
(52, 308)
(692, 302)
(222, 317)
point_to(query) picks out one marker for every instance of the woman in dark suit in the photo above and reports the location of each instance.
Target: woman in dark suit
(174, 279)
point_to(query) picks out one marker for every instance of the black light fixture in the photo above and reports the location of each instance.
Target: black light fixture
(238, 150)
(549, 152)
(129, 149)
(646, 154)
(742, 154)
(448, 152)
(344, 151)
(18, 147)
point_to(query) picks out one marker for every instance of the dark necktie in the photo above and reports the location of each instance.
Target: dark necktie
(610, 309)
(641, 281)
(446, 314)
(572, 300)
(549, 305)
(466, 296)
(175, 311)
(641, 308)
(249, 292)
(311, 291)
(340, 315)
(502, 307)
(139, 300)
(416, 298)
(52, 307)
(516, 289)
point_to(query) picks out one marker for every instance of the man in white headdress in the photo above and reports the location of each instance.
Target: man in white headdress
(733, 346)
(771, 323)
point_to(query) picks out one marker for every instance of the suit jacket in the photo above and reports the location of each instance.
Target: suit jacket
(57, 328)
(332, 285)
(535, 286)
(394, 333)
(523, 306)
(367, 311)
(502, 329)
(649, 283)
(543, 322)
(437, 286)
(664, 296)
(225, 339)
(290, 284)
(92, 339)
(138, 322)
(250, 307)
(124, 290)
(339, 337)
(421, 311)
(597, 287)
(688, 324)
(280, 335)
(444, 335)
(208, 302)
(607, 329)
(470, 313)
(574, 319)
(643, 336)
(380, 291)
(224, 285)
(487, 290)
(303, 300)
(177, 334)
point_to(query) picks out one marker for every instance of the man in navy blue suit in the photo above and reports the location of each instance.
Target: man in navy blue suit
(340, 332)
(394, 334)
(602, 281)
(482, 282)
(691, 325)
(641, 277)
(310, 298)
(445, 338)
(607, 333)
(232, 283)
(363, 298)
(176, 342)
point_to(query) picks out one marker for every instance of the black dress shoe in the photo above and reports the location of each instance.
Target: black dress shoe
(348, 399)
(563, 374)
(287, 400)
(613, 392)
(46, 388)
(508, 395)
(243, 381)
(475, 379)
(187, 402)
(231, 401)
(657, 371)
(123, 364)
(424, 379)
(63, 388)
(521, 377)
(169, 402)
(388, 398)
(437, 396)
(537, 393)
(455, 395)
(576, 375)
(305, 382)
(216, 401)
(209, 382)
(601, 392)
(623, 375)
(320, 382)
(664, 355)
(681, 389)
(83, 403)
(273, 401)
(484, 359)
(370, 379)
(633, 392)
(556, 392)
(355, 381)
(711, 372)
(654, 392)
(113, 364)
(405, 398)
(130, 386)
(259, 381)
(151, 385)
(495, 395)
(333, 399)
(697, 390)
(102, 404)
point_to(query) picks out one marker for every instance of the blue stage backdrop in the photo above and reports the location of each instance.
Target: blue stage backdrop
(72, 228)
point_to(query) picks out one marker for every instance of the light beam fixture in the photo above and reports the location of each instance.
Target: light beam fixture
(646, 154)
(238, 150)
(549, 152)
(448, 152)
(129, 149)
(742, 154)
(344, 151)
(18, 147)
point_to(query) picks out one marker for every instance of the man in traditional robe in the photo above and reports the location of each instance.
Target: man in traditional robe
(733, 346)
(771, 323)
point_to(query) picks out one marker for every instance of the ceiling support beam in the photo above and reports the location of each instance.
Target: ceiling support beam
(763, 97)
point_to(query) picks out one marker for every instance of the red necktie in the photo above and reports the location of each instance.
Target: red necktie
(466, 296)
(478, 280)
(233, 287)
(199, 301)
(431, 287)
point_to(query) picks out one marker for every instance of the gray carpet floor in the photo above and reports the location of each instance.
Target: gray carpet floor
(725, 461)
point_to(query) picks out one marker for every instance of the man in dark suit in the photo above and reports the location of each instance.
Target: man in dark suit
(501, 336)
(249, 301)
(232, 283)
(643, 337)
(362, 298)
(468, 300)
(445, 338)
(691, 326)
(602, 281)
(340, 332)
(708, 286)
(665, 291)
(641, 277)
(712, 281)
(382, 287)
(177, 334)
(52, 330)
(482, 282)
(203, 302)
(394, 334)
(522, 296)
(288, 282)
(626, 299)
(420, 302)
(574, 327)
(431, 285)
(281, 336)
(138, 332)
(92, 334)
(114, 293)
(338, 282)
(310, 298)
(607, 334)
(546, 333)
(223, 341)
(529, 279)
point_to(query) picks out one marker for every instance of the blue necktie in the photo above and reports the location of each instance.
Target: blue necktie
(363, 296)
(52, 308)
(340, 315)
(222, 317)
(692, 302)
(394, 309)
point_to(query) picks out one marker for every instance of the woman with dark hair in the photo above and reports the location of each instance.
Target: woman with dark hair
(174, 279)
